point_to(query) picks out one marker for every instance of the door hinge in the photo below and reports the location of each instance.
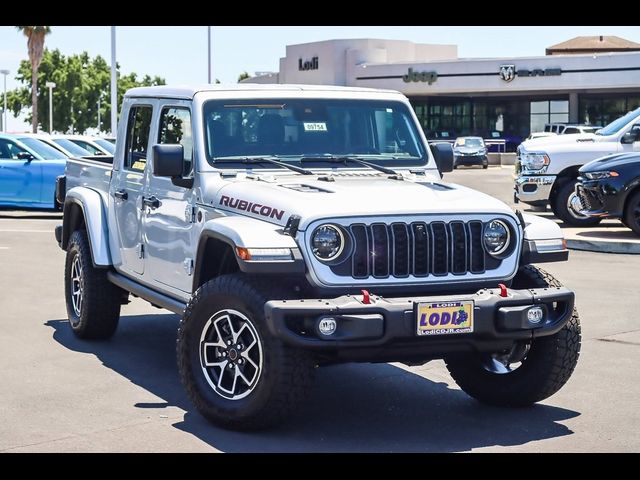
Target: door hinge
(190, 214)
(140, 250)
(188, 266)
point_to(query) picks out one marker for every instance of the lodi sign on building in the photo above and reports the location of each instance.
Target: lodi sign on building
(308, 64)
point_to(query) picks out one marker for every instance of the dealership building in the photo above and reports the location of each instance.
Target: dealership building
(590, 80)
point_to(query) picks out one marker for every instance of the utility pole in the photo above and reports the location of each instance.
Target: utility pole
(208, 54)
(114, 85)
(98, 114)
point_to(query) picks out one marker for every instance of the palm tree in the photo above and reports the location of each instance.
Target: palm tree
(35, 44)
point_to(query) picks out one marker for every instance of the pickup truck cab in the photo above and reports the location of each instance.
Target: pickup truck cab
(547, 168)
(294, 226)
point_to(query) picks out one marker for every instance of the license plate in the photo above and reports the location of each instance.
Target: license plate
(444, 318)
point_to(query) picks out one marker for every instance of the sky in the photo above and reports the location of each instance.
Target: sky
(179, 54)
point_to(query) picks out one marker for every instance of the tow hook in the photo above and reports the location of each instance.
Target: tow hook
(366, 297)
(503, 290)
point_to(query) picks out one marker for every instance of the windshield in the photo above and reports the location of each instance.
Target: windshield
(108, 146)
(616, 125)
(42, 149)
(469, 142)
(381, 131)
(71, 147)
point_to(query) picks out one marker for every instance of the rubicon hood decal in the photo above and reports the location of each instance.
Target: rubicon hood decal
(255, 208)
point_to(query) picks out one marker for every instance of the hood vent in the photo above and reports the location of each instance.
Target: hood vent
(298, 187)
(436, 186)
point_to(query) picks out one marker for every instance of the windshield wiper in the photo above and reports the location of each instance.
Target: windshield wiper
(346, 159)
(273, 160)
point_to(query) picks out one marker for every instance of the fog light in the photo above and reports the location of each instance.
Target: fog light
(327, 326)
(535, 315)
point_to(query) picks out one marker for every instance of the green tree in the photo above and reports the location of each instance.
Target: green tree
(35, 46)
(243, 76)
(82, 84)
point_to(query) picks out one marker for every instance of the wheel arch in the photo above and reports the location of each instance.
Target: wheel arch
(215, 256)
(631, 190)
(565, 175)
(84, 209)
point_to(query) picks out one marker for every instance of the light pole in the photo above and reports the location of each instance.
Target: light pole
(50, 86)
(98, 114)
(209, 54)
(4, 111)
(114, 85)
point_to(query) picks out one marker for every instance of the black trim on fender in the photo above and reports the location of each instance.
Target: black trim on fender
(530, 254)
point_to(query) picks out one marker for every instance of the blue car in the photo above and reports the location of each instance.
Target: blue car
(28, 171)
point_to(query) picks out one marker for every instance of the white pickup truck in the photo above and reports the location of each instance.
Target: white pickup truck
(297, 226)
(547, 168)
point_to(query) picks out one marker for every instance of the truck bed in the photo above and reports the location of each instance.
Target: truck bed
(93, 172)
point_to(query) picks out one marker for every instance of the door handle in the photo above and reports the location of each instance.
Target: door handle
(151, 202)
(121, 194)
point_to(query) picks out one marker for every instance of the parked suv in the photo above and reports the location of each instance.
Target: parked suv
(566, 129)
(297, 226)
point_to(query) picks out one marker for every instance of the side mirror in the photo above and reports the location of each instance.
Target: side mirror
(631, 136)
(25, 156)
(443, 154)
(168, 160)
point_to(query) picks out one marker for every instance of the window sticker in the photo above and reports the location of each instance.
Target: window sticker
(315, 127)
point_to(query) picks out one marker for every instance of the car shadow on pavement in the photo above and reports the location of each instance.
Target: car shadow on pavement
(353, 407)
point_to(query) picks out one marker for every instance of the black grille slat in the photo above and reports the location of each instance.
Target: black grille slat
(417, 249)
(439, 248)
(380, 250)
(420, 234)
(476, 251)
(400, 249)
(458, 248)
(360, 259)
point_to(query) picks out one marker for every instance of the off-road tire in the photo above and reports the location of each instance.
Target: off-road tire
(561, 210)
(630, 219)
(100, 299)
(287, 373)
(546, 368)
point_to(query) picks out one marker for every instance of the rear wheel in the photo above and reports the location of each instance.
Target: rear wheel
(528, 372)
(566, 206)
(93, 302)
(632, 213)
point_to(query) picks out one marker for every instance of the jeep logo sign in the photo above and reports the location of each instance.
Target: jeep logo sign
(412, 76)
(308, 65)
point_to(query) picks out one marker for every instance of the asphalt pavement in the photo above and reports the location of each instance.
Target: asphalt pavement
(62, 394)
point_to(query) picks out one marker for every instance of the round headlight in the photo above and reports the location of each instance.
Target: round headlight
(496, 237)
(327, 242)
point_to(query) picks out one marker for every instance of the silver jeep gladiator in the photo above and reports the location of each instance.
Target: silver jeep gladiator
(295, 226)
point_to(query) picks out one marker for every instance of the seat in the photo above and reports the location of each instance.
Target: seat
(271, 133)
(220, 144)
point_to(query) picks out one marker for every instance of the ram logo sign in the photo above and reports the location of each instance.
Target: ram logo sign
(507, 72)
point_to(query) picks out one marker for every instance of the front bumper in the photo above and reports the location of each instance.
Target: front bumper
(533, 189)
(385, 329)
(470, 159)
(600, 198)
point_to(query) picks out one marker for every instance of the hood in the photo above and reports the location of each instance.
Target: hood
(572, 138)
(468, 149)
(350, 195)
(611, 162)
